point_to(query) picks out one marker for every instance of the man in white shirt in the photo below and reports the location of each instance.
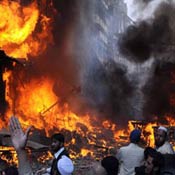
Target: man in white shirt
(161, 143)
(131, 156)
(62, 164)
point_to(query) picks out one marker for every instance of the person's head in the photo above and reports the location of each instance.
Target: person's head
(10, 171)
(110, 164)
(160, 136)
(153, 160)
(135, 136)
(3, 165)
(57, 142)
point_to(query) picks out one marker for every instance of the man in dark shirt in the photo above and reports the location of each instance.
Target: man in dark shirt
(153, 163)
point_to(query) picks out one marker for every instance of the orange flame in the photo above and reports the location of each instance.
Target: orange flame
(18, 29)
(26, 31)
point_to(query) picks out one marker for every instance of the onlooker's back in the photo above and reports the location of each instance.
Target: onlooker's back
(131, 156)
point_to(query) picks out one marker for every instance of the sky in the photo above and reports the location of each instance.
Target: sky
(142, 9)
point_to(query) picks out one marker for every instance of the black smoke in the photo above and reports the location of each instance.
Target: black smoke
(154, 38)
(105, 87)
(148, 38)
(158, 91)
(108, 90)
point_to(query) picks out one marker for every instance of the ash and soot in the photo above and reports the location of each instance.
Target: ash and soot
(87, 69)
(152, 38)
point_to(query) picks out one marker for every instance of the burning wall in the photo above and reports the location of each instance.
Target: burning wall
(40, 90)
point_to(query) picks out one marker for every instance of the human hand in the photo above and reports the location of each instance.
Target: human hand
(18, 137)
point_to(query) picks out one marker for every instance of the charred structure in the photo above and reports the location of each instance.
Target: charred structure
(90, 69)
(6, 63)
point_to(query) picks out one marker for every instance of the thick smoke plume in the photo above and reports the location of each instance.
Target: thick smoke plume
(93, 77)
(109, 88)
(154, 37)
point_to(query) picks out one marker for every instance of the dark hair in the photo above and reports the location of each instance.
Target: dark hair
(135, 136)
(110, 164)
(158, 159)
(165, 133)
(11, 171)
(58, 136)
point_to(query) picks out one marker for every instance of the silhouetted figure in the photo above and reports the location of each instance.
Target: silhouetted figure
(6, 63)
(10, 171)
(111, 165)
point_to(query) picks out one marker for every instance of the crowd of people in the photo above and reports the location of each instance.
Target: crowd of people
(129, 160)
(135, 160)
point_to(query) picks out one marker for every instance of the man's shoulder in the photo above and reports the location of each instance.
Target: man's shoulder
(124, 147)
(166, 145)
(65, 164)
(166, 148)
(135, 146)
(66, 158)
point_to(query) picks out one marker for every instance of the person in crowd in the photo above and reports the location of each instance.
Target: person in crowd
(61, 165)
(10, 171)
(131, 156)
(19, 141)
(153, 162)
(161, 143)
(3, 165)
(107, 166)
(111, 165)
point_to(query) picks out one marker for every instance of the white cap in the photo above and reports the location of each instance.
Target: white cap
(163, 128)
(65, 166)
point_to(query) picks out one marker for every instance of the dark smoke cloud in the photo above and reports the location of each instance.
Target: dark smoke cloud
(105, 87)
(149, 38)
(158, 91)
(160, 87)
(108, 90)
(135, 44)
(154, 38)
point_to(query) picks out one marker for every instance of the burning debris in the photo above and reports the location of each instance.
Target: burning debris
(28, 33)
(87, 94)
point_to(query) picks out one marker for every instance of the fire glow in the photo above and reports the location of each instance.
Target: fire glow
(36, 103)
(19, 37)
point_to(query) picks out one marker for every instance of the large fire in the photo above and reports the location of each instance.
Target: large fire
(24, 31)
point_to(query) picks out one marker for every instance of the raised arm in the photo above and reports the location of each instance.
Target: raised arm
(19, 141)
